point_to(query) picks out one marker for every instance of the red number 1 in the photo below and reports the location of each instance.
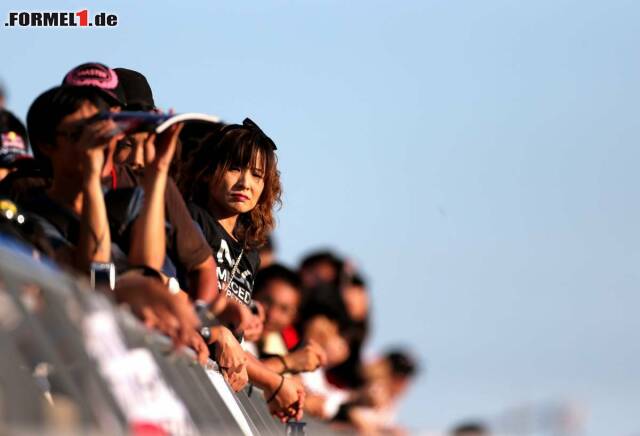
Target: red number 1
(84, 17)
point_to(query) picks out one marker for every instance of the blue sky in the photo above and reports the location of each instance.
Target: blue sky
(478, 160)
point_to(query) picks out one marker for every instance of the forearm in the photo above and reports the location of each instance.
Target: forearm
(203, 282)
(148, 241)
(261, 375)
(275, 364)
(94, 239)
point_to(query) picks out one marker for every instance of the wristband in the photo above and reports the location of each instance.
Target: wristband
(284, 363)
(205, 332)
(277, 390)
(103, 275)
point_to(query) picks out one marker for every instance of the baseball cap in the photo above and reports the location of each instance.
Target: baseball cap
(99, 76)
(13, 140)
(136, 89)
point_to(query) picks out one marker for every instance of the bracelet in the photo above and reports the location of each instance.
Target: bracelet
(277, 390)
(284, 363)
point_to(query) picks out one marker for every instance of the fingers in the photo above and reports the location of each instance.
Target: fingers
(301, 398)
(230, 354)
(197, 343)
(169, 137)
(237, 380)
(184, 314)
(168, 324)
(97, 134)
(148, 317)
(320, 354)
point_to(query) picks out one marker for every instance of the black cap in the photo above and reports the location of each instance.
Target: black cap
(137, 92)
(99, 76)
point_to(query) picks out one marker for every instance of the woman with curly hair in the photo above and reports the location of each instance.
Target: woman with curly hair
(232, 185)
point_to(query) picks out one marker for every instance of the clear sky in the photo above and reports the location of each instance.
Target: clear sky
(478, 160)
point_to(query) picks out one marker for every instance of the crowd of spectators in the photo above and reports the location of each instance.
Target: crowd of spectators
(178, 226)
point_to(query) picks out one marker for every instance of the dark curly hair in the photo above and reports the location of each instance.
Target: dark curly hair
(235, 145)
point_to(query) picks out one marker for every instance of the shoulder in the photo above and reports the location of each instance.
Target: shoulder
(204, 220)
(197, 213)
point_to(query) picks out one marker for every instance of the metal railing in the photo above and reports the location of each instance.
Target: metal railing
(74, 363)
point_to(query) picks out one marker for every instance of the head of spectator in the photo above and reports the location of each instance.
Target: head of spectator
(233, 175)
(267, 252)
(102, 80)
(402, 369)
(323, 320)
(137, 97)
(14, 148)
(391, 373)
(136, 90)
(320, 267)
(278, 289)
(56, 120)
(471, 428)
(99, 77)
(355, 329)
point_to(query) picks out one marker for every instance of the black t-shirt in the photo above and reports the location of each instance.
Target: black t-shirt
(226, 251)
(60, 225)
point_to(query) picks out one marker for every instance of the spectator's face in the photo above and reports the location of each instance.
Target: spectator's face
(240, 189)
(321, 272)
(65, 155)
(131, 149)
(398, 385)
(356, 300)
(281, 302)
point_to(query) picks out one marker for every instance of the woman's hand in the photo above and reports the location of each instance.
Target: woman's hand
(197, 344)
(151, 301)
(93, 140)
(159, 149)
(288, 402)
(241, 320)
(307, 359)
(230, 356)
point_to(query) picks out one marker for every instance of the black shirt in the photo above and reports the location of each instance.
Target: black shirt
(226, 251)
(60, 226)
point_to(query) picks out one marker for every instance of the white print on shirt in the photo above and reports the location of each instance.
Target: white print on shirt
(241, 287)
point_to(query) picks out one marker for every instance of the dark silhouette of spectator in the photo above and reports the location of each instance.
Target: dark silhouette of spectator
(320, 267)
(14, 145)
(470, 428)
(267, 252)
